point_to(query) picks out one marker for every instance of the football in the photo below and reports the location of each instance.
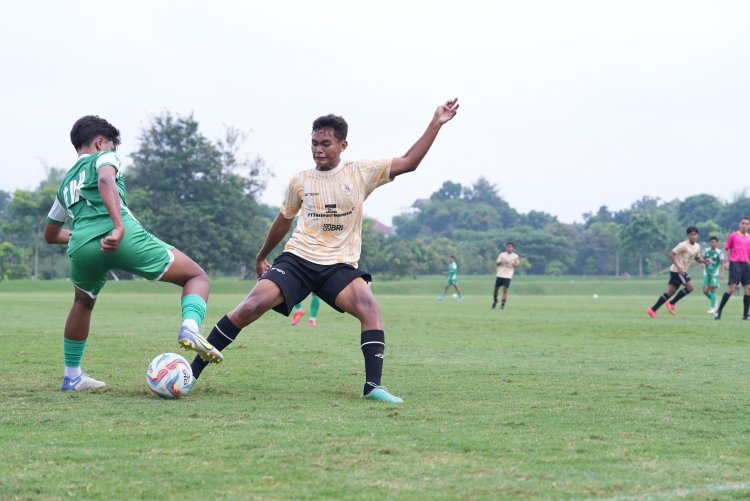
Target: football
(169, 376)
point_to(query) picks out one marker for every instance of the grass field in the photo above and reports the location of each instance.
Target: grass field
(560, 396)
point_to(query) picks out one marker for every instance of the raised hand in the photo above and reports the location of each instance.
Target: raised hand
(446, 111)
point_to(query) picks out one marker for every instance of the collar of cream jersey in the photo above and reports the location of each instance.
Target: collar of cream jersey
(330, 172)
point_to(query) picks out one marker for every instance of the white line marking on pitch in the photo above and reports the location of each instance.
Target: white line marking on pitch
(680, 493)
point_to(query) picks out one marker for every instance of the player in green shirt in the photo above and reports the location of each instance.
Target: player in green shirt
(299, 312)
(713, 272)
(104, 236)
(452, 273)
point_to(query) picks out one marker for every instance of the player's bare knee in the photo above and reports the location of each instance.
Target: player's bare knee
(251, 309)
(368, 309)
(85, 303)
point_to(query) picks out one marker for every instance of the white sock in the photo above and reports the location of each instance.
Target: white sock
(72, 372)
(191, 325)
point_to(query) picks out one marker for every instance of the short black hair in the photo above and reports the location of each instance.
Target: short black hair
(335, 122)
(88, 128)
(713, 238)
(692, 229)
(510, 243)
(745, 217)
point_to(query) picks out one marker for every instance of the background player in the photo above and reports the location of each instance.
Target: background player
(452, 273)
(314, 308)
(738, 248)
(103, 236)
(506, 266)
(683, 255)
(323, 252)
(713, 272)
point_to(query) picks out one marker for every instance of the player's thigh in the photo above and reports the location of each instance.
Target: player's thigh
(142, 254)
(89, 267)
(745, 277)
(182, 269)
(292, 278)
(735, 274)
(265, 295)
(357, 299)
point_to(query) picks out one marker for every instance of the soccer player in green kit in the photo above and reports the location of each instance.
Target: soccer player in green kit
(104, 236)
(452, 273)
(712, 271)
(299, 312)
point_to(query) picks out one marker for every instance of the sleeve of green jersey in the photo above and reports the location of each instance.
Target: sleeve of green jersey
(57, 214)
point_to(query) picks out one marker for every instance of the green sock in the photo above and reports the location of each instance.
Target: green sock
(314, 307)
(297, 306)
(712, 297)
(73, 352)
(194, 307)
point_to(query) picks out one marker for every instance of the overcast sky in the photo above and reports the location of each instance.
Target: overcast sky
(565, 105)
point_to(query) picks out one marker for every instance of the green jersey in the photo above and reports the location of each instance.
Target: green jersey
(716, 256)
(79, 200)
(452, 270)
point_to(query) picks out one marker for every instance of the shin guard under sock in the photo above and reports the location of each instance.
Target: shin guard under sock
(373, 346)
(221, 336)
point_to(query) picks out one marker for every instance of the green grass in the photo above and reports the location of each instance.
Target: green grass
(560, 396)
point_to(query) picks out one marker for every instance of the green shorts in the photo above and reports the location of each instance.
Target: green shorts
(710, 280)
(452, 281)
(139, 253)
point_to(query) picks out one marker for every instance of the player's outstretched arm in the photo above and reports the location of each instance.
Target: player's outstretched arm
(411, 159)
(279, 228)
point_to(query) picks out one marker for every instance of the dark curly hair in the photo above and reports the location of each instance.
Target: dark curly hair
(88, 128)
(335, 122)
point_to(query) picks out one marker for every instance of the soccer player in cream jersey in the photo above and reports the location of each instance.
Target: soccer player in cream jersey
(103, 236)
(323, 252)
(683, 255)
(506, 262)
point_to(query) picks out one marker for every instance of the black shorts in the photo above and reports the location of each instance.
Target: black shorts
(677, 279)
(502, 282)
(739, 273)
(297, 277)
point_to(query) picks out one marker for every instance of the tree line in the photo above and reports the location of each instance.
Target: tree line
(474, 222)
(202, 196)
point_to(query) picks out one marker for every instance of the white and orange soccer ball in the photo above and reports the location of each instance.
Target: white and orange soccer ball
(169, 376)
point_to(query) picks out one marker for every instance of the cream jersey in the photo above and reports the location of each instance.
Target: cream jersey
(507, 264)
(329, 203)
(685, 254)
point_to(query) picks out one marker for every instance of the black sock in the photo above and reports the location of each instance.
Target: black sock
(662, 299)
(502, 303)
(746, 305)
(724, 300)
(222, 335)
(373, 346)
(680, 295)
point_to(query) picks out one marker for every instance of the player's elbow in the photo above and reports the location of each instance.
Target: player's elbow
(51, 233)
